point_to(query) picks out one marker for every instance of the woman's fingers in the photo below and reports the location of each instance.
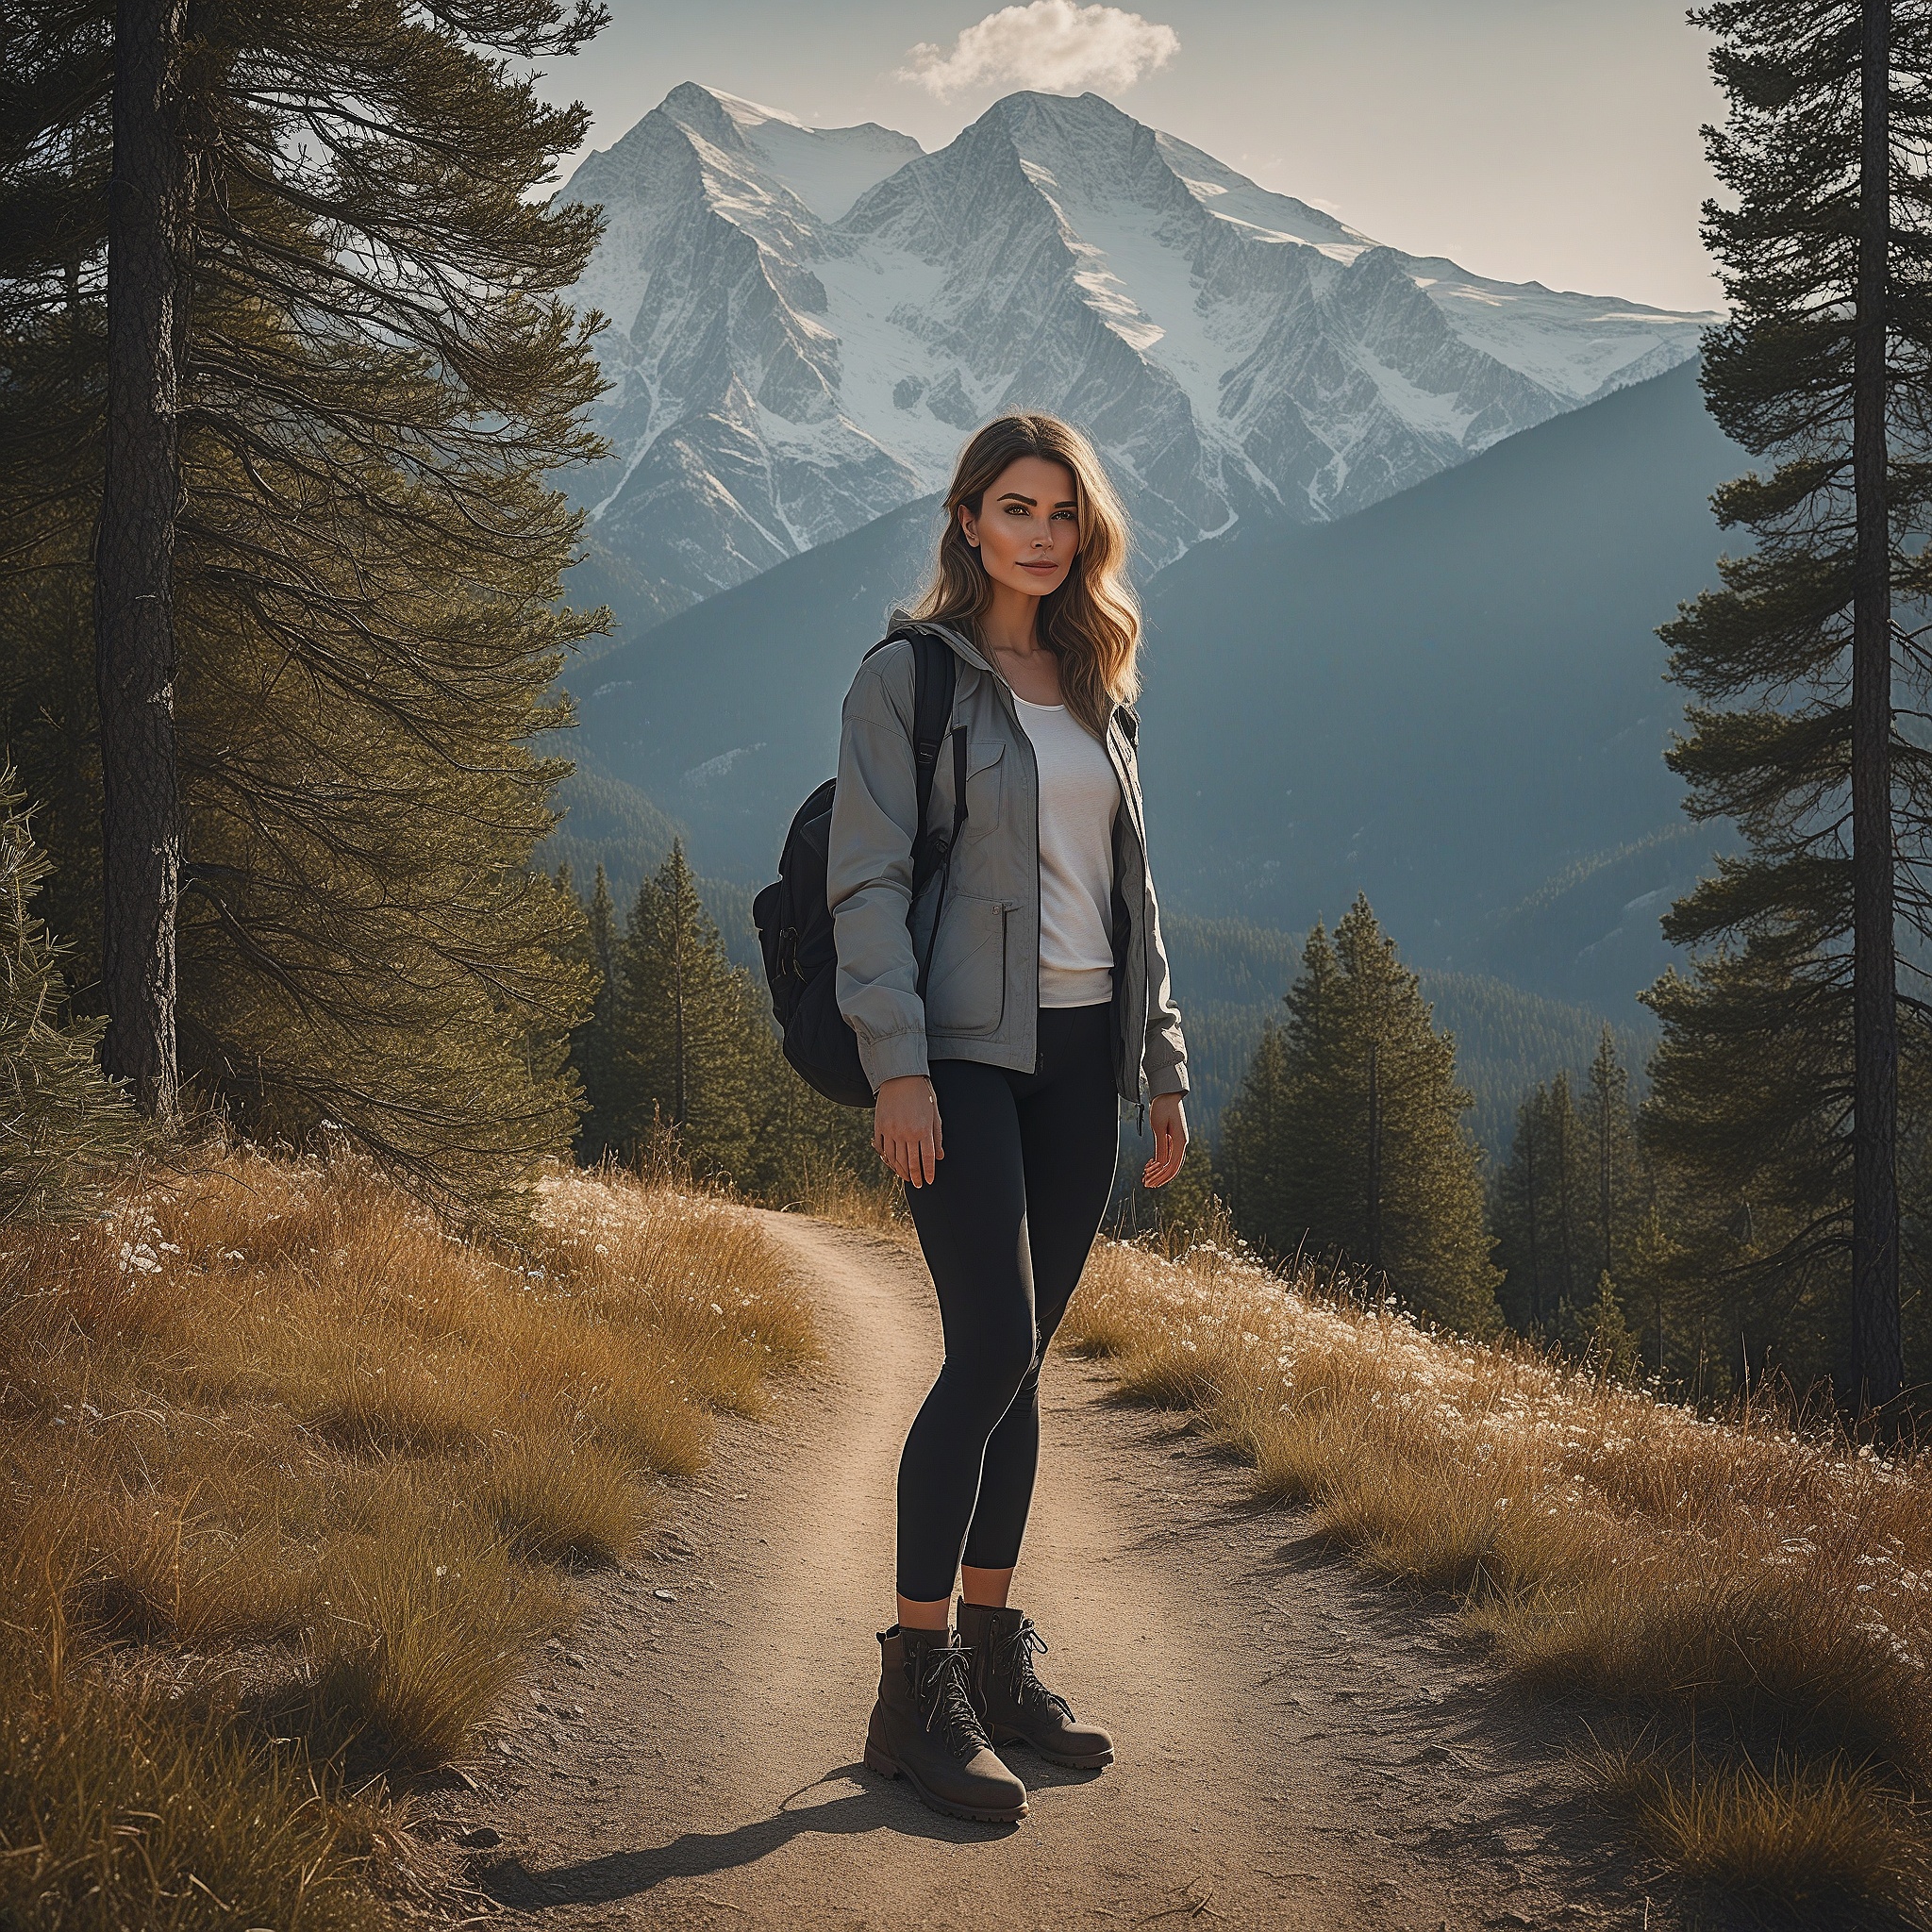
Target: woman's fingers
(906, 1130)
(913, 1157)
(1170, 1149)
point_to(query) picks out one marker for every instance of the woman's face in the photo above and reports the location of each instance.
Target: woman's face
(1029, 526)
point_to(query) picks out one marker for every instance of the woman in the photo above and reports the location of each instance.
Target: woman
(1044, 1004)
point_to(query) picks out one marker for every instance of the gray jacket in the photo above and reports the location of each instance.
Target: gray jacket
(982, 997)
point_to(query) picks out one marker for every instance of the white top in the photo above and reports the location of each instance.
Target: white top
(1079, 797)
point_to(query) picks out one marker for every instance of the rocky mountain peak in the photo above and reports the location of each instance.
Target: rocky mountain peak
(806, 319)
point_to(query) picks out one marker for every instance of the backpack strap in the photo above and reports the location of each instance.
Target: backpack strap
(935, 678)
(933, 669)
(935, 675)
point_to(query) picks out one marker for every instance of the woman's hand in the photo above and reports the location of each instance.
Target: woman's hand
(906, 1129)
(1169, 1120)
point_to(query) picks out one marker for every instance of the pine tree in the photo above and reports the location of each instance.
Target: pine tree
(1612, 1347)
(1567, 1204)
(62, 1119)
(1654, 1297)
(1569, 1200)
(1249, 1154)
(671, 1015)
(1515, 1199)
(1778, 1081)
(1611, 1126)
(579, 953)
(690, 1050)
(1537, 1213)
(378, 376)
(1349, 1137)
(594, 1043)
(1751, 1162)
(603, 926)
(1320, 1172)
(1564, 1197)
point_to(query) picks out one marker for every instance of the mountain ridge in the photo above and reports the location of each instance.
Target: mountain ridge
(805, 321)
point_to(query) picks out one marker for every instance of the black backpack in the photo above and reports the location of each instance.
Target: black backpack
(794, 923)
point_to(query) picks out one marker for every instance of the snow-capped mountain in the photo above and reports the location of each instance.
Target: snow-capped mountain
(805, 321)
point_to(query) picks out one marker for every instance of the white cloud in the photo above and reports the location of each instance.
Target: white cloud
(1054, 45)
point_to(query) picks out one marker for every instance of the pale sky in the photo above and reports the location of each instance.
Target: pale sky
(1554, 141)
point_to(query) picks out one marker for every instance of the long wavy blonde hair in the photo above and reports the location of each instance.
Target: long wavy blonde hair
(1091, 624)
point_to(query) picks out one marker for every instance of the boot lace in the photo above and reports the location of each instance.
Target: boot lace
(1013, 1660)
(941, 1686)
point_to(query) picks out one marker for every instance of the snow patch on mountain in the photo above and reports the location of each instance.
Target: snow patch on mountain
(805, 321)
(826, 168)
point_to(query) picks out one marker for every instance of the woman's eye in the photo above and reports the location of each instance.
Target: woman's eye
(1066, 516)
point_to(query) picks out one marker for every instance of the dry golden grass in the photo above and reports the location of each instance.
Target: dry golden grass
(269, 1425)
(875, 1201)
(1771, 1585)
(1821, 1842)
(121, 1810)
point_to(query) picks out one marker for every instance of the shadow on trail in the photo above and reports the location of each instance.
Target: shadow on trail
(869, 1806)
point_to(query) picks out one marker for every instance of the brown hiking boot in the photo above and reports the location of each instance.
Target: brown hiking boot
(1012, 1703)
(924, 1729)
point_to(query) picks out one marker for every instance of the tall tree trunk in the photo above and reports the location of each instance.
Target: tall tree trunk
(1877, 1364)
(134, 559)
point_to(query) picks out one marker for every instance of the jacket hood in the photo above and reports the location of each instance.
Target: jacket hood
(963, 645)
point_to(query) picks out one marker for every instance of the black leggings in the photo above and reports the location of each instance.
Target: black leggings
(1005, 1226)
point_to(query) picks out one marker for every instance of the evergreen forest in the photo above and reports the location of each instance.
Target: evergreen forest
(281, 449)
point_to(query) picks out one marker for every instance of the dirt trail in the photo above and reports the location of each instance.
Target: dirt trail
(1297, 1746)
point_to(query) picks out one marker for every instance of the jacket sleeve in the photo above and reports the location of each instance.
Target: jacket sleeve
(1165, 1056)
(868, 869)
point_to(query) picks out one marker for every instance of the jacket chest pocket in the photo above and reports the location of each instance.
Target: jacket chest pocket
(986, 764)
(967, 991)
